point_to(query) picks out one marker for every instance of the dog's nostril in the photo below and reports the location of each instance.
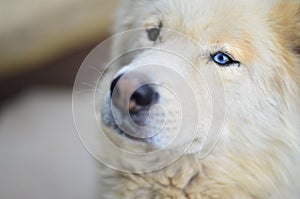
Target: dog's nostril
(144, 95)
(114, 83)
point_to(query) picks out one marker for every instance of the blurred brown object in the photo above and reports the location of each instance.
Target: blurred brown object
(60, 72)
(35, 32)
(43, 43)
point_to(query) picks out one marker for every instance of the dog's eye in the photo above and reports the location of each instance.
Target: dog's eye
(153, 33)
(223, 60)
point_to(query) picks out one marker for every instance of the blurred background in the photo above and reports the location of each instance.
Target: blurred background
(42, 45)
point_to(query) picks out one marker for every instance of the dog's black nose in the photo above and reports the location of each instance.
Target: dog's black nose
(129, 93)
(114, 83)
(144, 95)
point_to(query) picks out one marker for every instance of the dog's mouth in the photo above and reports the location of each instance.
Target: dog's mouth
(123, 133)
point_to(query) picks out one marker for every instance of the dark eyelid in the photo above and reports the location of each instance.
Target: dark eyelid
(153, 32)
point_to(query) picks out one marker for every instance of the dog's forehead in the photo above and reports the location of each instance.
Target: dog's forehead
(215, 23)
(203, 10)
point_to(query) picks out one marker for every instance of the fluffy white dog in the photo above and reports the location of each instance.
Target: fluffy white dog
(239, 55)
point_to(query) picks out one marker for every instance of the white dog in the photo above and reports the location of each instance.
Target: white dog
(215, 83)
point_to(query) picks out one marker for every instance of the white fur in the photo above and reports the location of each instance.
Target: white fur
(258, 153)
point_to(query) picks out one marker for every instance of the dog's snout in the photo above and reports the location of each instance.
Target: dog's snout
(131, 94)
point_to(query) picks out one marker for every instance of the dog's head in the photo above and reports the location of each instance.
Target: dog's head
(192, 61)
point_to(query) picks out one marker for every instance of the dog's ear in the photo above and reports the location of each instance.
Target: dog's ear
(285, 19)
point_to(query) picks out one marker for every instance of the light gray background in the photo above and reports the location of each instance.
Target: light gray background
(41, 155)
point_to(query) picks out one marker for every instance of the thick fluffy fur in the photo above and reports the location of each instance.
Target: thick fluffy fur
(258, 154)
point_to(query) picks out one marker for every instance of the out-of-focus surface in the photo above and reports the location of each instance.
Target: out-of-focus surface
(43, 43)
(40, 153)
(33, 32)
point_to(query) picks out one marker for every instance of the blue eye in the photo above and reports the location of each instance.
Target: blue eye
(223, 59)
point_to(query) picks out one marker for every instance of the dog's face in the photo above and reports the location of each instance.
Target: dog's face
(237, 54)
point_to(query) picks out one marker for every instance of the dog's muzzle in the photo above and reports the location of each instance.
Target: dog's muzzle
(131, 96)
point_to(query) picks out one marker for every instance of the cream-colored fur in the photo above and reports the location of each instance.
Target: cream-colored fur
(258, 153)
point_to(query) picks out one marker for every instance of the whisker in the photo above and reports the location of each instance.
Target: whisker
(95, 69)
(89, 85)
